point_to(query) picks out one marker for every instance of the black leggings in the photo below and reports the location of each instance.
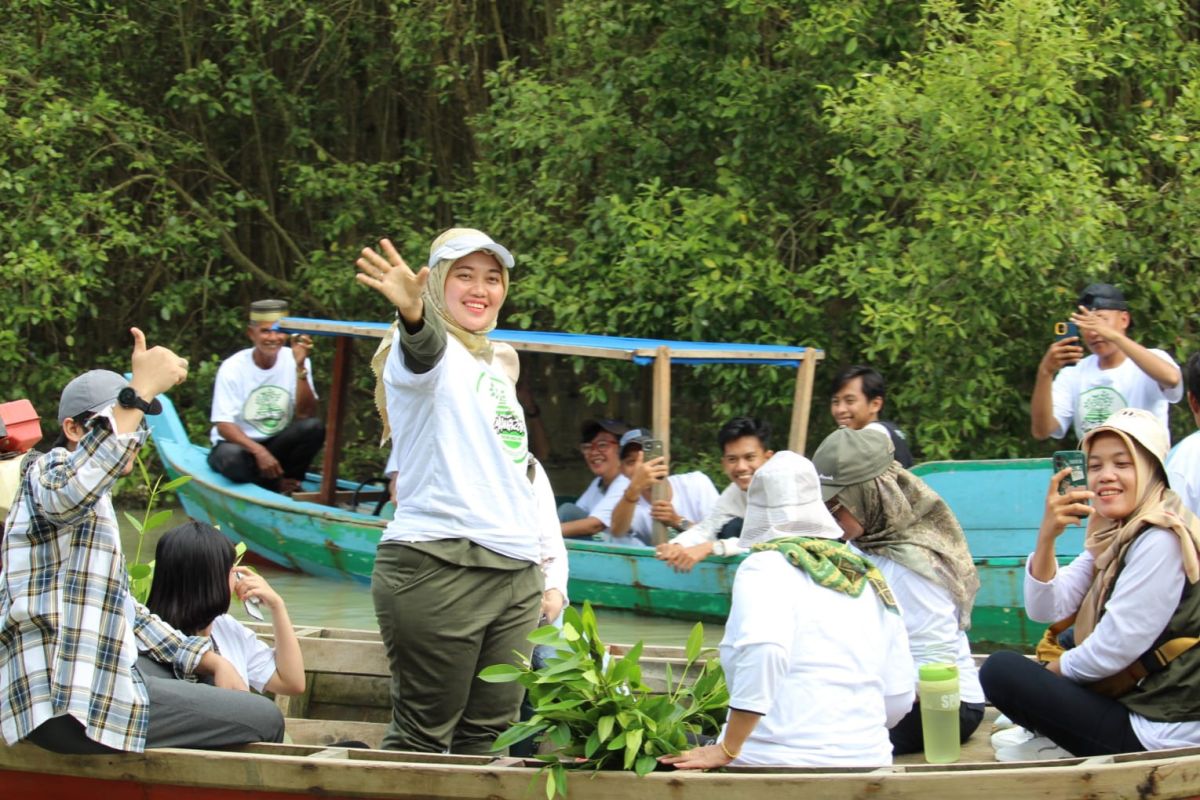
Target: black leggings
(908, 736)
(1072, 716)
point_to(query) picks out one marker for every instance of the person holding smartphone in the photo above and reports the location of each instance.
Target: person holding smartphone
(264, 409)
(1074, 391)
(687, 499)
(1131, 680)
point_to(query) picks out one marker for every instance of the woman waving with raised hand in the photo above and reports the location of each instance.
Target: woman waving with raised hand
(458, 581)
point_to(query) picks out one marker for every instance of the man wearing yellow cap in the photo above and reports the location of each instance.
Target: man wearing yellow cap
(265, 428)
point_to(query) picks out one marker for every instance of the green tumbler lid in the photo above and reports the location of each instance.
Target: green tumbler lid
(938, 672)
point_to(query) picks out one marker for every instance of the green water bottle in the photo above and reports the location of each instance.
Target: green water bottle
(937, 690)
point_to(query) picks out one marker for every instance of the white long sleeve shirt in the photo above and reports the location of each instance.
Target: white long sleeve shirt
(1143, 599)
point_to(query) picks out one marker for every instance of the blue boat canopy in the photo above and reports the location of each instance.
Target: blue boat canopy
(627, 348)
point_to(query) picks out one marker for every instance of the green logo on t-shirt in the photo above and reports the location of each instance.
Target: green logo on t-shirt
(1098, 404)
(507, 421)
(268, 409)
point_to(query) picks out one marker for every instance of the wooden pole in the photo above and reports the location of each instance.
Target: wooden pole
(338, 389)
(802, 401)
(661, 414)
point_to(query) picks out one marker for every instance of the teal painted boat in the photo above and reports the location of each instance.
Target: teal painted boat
(329, 528)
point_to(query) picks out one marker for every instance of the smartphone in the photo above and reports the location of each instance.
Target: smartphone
(1078, 464)
(251, 603)
(652, 448)
(1065, 330)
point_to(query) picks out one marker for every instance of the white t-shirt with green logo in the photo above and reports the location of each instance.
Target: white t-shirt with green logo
(259, 401)
(1085, 395)
(458, 434)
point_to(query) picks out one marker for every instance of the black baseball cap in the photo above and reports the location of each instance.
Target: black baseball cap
(1102, 296)
(593, 426)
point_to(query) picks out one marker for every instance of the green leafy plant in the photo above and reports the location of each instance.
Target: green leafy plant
(595, 712)
(141, 576)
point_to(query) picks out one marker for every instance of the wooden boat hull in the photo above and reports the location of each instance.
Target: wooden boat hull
(275, 772)
(998, 502)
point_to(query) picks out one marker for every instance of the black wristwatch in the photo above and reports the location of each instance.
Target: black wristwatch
(128, 398)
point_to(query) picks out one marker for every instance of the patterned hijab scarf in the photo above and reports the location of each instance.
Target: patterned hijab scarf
(906, 521)
(1108, 540)
(835, 565)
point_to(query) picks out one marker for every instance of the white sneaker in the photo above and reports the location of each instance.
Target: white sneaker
(1010, 736)
(1002, 721)
(1039, 748)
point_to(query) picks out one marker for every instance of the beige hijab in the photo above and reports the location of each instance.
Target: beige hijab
(1109, 539)
(434, 296)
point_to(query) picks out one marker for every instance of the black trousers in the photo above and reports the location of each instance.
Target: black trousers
(908, 736)
(1072, 716)
(294, 447)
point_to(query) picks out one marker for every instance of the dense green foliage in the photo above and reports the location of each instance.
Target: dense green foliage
(920, 186)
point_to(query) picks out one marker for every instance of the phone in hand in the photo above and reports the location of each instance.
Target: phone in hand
(652, 448)
(250, 603)
(1067, 330)
(1078, 464)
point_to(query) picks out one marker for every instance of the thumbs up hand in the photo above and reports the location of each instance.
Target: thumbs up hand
(155, 369)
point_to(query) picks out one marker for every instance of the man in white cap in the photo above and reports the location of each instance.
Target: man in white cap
(265, 429)
(84, 668)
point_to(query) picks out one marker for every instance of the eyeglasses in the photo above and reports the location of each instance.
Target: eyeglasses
(602, 444)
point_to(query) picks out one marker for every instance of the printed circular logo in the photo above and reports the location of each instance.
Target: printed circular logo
(268, 409)
(508, 422)
(1096, 405)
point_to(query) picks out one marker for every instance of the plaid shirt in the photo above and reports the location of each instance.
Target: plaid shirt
(69, 629)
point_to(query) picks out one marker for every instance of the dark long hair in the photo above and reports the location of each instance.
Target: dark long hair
(191, 576)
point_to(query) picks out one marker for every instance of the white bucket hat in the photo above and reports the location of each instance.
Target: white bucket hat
(784, 499)
(1142, 427)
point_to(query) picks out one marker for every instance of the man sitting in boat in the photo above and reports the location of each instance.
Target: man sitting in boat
(592, 512)
(1131, 682)
(80, 660)
(815, 653)
(265, 428)
(1183, 465)
(1071, 390)
(689, 497)
(910, 533)
(856, 401)
(745, 446)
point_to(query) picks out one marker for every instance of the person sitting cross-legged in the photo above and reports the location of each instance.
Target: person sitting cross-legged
(265, 429)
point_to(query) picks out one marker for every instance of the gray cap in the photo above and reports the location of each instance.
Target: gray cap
(635, 437)
(848, 457)
(94, 391)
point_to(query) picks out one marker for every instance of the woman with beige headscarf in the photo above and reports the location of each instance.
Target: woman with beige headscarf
(456, 584)
(1132, 680)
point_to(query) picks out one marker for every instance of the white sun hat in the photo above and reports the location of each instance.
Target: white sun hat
(784, 499)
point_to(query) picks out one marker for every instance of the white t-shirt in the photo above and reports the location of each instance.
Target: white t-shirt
(603, 509)
(693, 496)
(818, 664)
(1183, 471)
(253, 658)
(461, 429)
(1143, 600)
(931, 620)
(730, 504)
(1085, 395)
(259, 401)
